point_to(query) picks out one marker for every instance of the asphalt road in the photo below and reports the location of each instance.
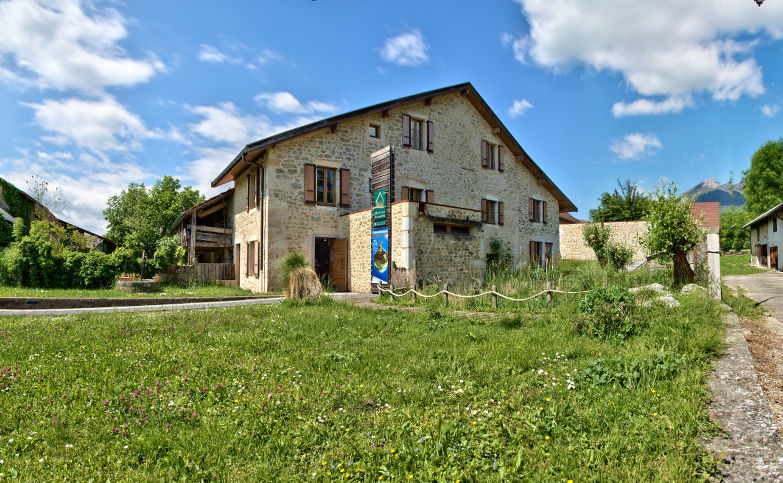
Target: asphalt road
(765, 287)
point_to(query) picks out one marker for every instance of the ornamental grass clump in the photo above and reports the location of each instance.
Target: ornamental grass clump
(303, 283)
(291, 262)
(606, 312)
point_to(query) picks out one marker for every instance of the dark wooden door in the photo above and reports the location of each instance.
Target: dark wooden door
(773, 258)
(339, 264)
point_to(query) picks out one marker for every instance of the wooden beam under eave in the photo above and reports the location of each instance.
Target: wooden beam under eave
(211, 210)
(192, 251)
(428, 101)
(496, 130)
(333, 128)
(385, 113)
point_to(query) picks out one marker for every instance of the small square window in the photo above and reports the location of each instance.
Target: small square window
(375, 131)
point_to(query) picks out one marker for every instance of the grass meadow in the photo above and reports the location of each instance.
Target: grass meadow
(167, 291)
(326, 391)
(737, 265)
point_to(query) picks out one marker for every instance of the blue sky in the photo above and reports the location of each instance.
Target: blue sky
(98, 94)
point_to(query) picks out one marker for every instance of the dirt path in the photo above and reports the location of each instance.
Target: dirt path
(765, 341)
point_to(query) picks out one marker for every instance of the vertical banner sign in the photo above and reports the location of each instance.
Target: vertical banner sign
(382, 191)
(380, 255)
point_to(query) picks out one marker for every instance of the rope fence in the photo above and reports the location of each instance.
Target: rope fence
(548, 291)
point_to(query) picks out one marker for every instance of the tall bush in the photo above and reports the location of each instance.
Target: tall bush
(597, 237)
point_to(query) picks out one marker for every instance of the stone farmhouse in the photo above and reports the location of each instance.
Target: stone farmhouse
(457, 188)
(766, 237)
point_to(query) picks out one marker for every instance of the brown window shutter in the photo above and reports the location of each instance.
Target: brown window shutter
(500, 158)
(430, 196)
(532, 250)
(260, 189)
(500, 212)
(484, 212)
(255, 258)
(404, 195)
(406, 130)
(531, 208)
(543, 212)
(484, 159)
(309, 183)
(247, 205)
(430, 136)
(345, 188)
(247, 259)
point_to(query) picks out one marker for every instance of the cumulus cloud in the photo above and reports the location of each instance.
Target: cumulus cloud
(99, 125)
(225, 124)
(520, 107)
(406, 49)
(65, 44)
(770, 110)
(285, 103)
(635, 146)
(647, 106)
(667, 48)
(208, 53)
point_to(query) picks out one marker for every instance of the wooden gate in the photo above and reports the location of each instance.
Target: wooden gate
(215, 271)
(773, 258)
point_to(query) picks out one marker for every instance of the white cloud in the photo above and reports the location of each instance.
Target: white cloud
(225, 124)
(520, 107)
(406, 49)
(770, 110)
(211, 54)
(286, 103)
(635, 146)
(65, 44)
(666, 48)
(647, 106)
(84, 206)
(269, 55)
(519, 46)
(99, 125)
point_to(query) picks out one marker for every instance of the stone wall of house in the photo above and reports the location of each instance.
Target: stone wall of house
(454, 258)
(359, 258)
(452, 171)
(627, 233)
(247, 225)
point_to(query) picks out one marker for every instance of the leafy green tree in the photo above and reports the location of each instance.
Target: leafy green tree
(732, 235)
(764, 179)
(139, 217)
(597, 237)
(626, 203)
(671, 231)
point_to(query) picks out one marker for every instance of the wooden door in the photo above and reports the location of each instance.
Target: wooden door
(773, 258)
(338, 269)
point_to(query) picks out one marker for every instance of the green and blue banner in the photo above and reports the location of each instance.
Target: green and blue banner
(380, 255)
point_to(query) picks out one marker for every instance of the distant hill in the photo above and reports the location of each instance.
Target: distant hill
(728, 194)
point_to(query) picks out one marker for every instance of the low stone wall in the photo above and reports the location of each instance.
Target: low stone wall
(627, 233)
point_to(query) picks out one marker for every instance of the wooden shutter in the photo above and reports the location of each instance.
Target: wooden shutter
(255, 258)
(484, 211)
(259, 257)
(259, 186)
(247, 205)
(247, 259)
(484, 158)
(430, 136)
(429, 196)
(309, 183)
(345, 188)
(500, 212)
(531, 209)
(543, 212)
(406, 130)
(404, 195)
(500, 158)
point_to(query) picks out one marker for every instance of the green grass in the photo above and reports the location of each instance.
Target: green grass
(326, 391)
(740, 303)
(737, 265)
(169, 291)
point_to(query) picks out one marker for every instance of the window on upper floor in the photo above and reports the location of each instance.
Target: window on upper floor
(417, 134)
(491, 156)
(417, 194)
(375, 131)
(492, 212)
(535, 253)
(775, 224)
(536, 210)
(320, 185)
(325, 183)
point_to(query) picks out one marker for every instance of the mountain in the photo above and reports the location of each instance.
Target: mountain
(728, 194)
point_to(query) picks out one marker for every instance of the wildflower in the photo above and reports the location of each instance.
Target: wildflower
(547, 399)
(342, 470)
(11, 440)
(125, 447)
(40, 460)
(546, 437)
(69, 446)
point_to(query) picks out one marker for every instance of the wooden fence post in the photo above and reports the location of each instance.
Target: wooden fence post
(445, 294)
(391, 292)
(548, 293)
(413, 294)
(494, 297)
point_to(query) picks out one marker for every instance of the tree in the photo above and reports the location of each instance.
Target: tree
(732, 234)
(139, 217)
(627, 204)
(671, 231)
(51, 200)
(764, 179)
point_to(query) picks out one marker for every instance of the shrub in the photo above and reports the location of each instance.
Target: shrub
(96, 270)
(124, 260)
(290, 263)
(606, 312)
(168, 252)
(303, 283)
(618, 255)
(597, 237)
(11, 267)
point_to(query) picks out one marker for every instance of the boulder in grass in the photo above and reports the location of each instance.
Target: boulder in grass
(693, 288)
(654, 287)
(303, 283)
